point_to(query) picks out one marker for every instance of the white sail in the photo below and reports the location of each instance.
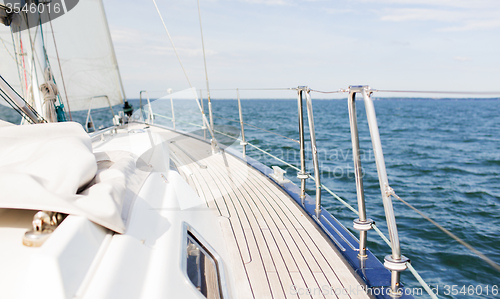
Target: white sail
(84, 51)
(87, 57)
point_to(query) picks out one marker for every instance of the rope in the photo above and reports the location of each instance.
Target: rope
(50, 92)
(462, 242)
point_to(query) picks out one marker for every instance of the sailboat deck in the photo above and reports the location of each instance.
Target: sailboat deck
(275, 250)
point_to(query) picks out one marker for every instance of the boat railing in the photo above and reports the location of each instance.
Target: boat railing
(395, 262)
(150, 118)
(89, 122)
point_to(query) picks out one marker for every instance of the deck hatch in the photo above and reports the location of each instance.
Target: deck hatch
(201, 266)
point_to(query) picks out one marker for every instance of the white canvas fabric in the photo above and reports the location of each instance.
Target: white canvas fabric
(43, 166)
(86, 55)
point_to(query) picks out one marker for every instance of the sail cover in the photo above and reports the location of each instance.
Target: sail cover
(51, 167)
(86, 54)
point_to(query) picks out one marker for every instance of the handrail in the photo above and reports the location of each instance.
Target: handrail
(362, 224)
(394, 262)
(314, 152)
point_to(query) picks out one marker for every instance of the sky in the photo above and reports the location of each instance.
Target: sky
(325, 45)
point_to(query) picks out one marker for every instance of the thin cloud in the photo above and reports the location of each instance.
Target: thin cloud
(474, 25)
(422, 14)
(460, 19)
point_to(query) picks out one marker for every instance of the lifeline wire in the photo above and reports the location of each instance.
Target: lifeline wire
(335, 91)
(467, 245)
(441, 92)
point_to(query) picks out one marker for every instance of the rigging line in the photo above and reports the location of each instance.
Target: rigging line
(173, 46)
(249, 89)
(60, 68)
(233, 89)
(46, 57)
(24, 65)
(7, 49)
(185, 73)
(335, 91)
(453, 236)
(203, 47)
(34, 58)
(18, 64)
(440, 92)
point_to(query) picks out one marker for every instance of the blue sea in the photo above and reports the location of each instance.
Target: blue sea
(442, 156)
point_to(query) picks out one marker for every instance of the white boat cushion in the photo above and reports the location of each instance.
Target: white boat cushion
(43, 166)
